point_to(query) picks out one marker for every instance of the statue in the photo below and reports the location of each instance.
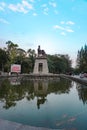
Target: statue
(41, 52)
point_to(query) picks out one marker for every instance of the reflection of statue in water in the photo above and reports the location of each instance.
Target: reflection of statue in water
(40, 90)
(41, 52)
(40, 101)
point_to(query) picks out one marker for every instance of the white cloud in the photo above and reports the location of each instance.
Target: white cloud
(31, 0)
(53, 4)
(56, 12)
(63, 28)
(13, 7)
(62, 22)
(63, 33)
(26, 4)
(21, 7)
(4, 21)
(70, 23)
(44, 5)
(59, 27)
(2, 6)
(17, 8)
(45, 11)
(35, 14)
(69, 30)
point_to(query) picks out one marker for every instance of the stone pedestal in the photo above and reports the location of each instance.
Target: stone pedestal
(41, 66)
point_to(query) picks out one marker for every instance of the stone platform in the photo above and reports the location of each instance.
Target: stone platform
(40, 76)
(41, 65)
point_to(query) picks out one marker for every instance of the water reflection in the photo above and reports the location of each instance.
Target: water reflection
(40, 91)
(82, 92)
(12, 90)
(14, 81)
(54, 104)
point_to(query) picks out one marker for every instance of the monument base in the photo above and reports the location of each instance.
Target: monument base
(41, 66)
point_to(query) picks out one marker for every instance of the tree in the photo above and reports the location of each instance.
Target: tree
(31, 55)
(4, 58)
(12, 51)
(59, 63)
(20, 56)
(82, 59)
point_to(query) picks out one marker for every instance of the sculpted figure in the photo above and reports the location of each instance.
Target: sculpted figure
(41, 52)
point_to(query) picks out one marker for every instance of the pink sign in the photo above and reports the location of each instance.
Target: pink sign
(16, 68)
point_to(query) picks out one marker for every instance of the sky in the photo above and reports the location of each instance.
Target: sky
(58, 26)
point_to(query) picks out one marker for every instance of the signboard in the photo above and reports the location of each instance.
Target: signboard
(16, 68)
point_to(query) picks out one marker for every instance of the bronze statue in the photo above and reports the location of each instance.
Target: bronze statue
(41, 52)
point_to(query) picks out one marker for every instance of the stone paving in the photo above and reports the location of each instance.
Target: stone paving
(77, 78)
(8, 125)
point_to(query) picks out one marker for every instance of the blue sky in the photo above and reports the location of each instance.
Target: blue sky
(59, 26)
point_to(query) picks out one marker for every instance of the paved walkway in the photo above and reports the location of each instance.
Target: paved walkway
(76, 78)
(8, 125)
(82, 80)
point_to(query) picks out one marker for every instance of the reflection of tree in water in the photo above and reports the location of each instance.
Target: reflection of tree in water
(62, 87)
(82, 92)
(10, 94)
(13, 93)
(6, 93)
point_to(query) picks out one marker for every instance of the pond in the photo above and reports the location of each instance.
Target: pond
(60, 104)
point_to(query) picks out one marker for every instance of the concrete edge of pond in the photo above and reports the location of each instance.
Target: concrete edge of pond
(32, 76)
(9, 125)
(75, 78)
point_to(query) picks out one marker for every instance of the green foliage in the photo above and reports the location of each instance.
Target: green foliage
(59, 63)
(14, 55)
(11, 50)
(20, 56)
(31, 54)
(3, 59)
(82, 59)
